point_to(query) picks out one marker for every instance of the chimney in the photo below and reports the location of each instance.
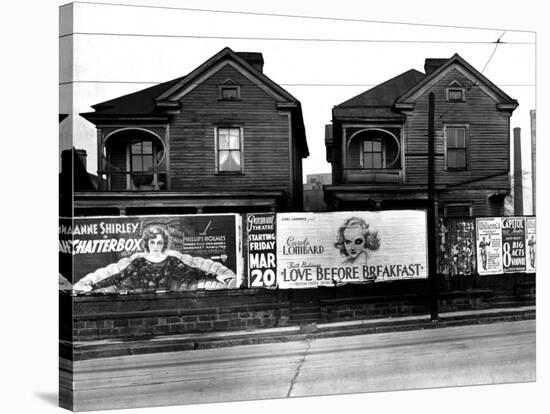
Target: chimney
(518, 178)
(431, 65)
(254, 59)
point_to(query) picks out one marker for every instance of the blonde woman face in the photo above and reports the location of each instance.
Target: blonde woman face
(354, 242)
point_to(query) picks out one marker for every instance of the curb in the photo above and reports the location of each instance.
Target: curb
(113, 348)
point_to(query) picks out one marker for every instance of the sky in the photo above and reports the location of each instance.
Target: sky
(112, 50)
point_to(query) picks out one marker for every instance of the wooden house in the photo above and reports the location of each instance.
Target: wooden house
(223, 138)
(378, 143)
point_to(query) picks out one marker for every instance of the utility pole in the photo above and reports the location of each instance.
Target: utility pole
(432, 228)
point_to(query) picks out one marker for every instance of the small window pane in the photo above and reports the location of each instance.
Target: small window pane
(376, 160)
(137, 164)
(460, 159)
(451, 137)
(136, 148)
(455, 95)
(451, 159)
(223, 132)
(147, 147)
(230, 92)
(230, 160)
(147, 163)
(376, 145)
(461, 138)
(223, 142)
(367, 145)
(234, 142)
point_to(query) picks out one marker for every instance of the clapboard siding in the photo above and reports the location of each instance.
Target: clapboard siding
(265, 137)
(488, 136)
(484, 182)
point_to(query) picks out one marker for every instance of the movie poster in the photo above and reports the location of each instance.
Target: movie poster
(330, 249)
(513, 244)
(489, 245)
(151, 254)
(531, 244)
(262, 260)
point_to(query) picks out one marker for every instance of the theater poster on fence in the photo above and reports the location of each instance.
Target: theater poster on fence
(329, 249)
(506, 245)
(151, 254)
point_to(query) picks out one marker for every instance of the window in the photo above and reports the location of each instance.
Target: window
(455, 95)
(229, 91)
(142, 156)
(456, 147)
(457, 210)
(133, 160)
(455, 92)
(229, 149)
(373, 153)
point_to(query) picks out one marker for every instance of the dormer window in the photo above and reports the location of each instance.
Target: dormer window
(455, 92)
(229, 91)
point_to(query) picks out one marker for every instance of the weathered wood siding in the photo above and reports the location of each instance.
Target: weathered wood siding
(265, 143)
(487, 141)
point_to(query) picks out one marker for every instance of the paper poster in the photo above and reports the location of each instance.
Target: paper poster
(531, 244)
(261, 240)
(513, 244)
(330, 249)
(137, 254)
(489, 245)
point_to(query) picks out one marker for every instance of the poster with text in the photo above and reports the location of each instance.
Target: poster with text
(489, 245)
(261, 239)
(531, 244)
(513, 244)
(148, 254)
(330, 249)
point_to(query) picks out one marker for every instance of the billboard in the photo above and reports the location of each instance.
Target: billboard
(148, 254)
(506, 245)
(261, 239)
(330, 249)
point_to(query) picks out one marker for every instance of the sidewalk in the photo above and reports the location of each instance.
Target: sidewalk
(185, 342)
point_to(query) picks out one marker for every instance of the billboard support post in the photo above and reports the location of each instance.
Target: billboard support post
(432, 228)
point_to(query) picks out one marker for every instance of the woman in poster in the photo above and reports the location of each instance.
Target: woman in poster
(159, 270)
(355, 241)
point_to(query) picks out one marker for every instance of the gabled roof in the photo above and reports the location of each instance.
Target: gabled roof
(163, 99)
(137, 103)
(384, 101)
(378, 101)
(193, 78)
(480, 80)
(150, 101)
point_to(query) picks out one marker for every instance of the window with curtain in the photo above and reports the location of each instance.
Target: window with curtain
(229, 149)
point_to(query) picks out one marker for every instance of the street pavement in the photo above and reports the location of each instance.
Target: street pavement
(466, 355)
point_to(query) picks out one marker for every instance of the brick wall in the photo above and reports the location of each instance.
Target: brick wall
(138, 316)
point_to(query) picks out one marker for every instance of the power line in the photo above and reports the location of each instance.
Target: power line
(291, 39)
(294, 16)
(281, 84)
(497, 43)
